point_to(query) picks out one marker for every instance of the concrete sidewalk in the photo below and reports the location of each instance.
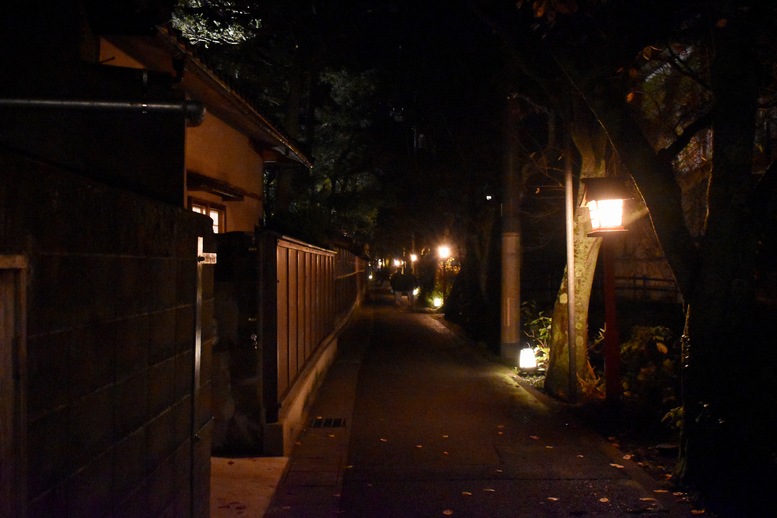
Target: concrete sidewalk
(246, 486)
(317, 480)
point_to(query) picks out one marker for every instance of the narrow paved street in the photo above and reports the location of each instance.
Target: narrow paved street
(437, 429)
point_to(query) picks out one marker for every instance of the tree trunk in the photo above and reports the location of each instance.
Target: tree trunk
(556, 380)
(591, 142)
(720, 446)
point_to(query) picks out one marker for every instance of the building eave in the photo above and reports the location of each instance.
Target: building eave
(167, 52)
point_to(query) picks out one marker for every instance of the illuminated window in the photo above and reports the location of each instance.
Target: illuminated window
(216, 212)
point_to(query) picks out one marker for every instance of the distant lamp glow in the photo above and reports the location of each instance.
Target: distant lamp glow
(444, 252)
(437, 301)
(527, 360)
(604, 199)
(416, 291)
(413, 258)
(397, 262)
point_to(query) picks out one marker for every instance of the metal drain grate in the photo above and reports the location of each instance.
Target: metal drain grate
(327, 422)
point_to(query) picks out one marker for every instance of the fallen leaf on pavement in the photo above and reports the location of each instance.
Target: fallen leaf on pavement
(553, 498)
(383, 439)
(647, 499)
(419, 446)
(604, 500)
(579, 456)
(447, 512)
(616, 465)
(489, 490)
(466, 493)
(534, 437)
(660, 490)
(549, 447)
(627, 456)
(698, 511)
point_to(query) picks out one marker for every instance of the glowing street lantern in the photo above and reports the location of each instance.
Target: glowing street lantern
(604, 199)
(606, 215)
(527, 360)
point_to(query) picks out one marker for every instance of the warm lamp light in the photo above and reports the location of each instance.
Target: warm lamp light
(606, 214)
(527, 360)
(604, 199)
(444, 252)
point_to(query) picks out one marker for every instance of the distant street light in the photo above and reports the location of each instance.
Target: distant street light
(604, 198)
(444, 252)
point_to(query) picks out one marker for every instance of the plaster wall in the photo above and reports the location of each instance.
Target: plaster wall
(217, 150)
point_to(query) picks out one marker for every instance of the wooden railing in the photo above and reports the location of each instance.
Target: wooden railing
(647, 289)
(633, 288)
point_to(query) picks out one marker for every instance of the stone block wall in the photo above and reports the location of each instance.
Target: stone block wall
(114, 424)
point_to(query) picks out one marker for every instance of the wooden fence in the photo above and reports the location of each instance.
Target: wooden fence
(306, 291)
(279, 302)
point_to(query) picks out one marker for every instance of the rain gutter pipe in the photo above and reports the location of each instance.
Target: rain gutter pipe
(193, 111)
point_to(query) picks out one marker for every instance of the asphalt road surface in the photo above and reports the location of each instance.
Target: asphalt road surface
(435, 428)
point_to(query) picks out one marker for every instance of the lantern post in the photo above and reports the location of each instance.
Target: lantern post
(604, 197)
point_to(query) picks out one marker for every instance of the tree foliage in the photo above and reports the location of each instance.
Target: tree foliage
(287, 57)
(218, 22)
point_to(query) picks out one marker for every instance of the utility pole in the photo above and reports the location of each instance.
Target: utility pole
(569, 192)
(510, 336)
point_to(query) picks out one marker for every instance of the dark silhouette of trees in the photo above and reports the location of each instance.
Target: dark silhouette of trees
(681, 87)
